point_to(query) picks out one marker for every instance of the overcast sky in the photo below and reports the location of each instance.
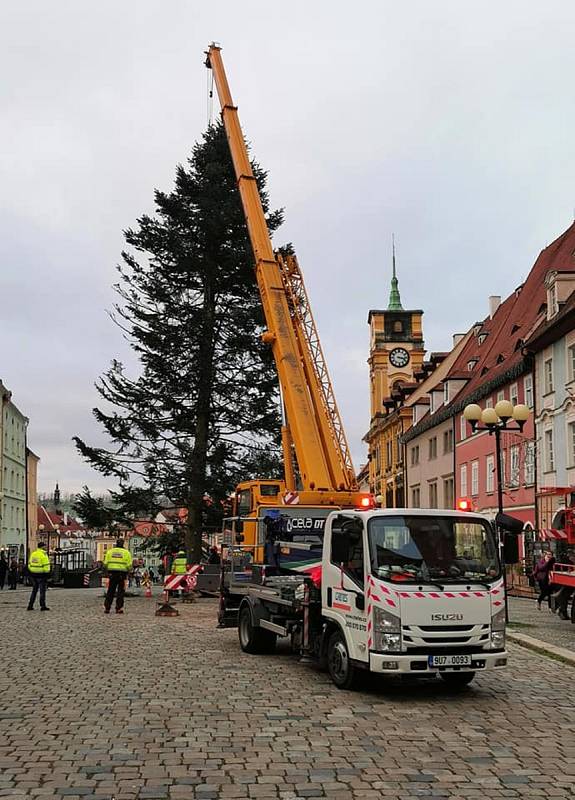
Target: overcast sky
(450, 123)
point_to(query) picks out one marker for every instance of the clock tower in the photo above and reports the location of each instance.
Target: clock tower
(396, 354)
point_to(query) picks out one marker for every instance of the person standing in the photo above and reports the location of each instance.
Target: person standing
(541, 574)
(39, 569)
(13, 574)
(179, 567)
(118, 562)
(3, 569)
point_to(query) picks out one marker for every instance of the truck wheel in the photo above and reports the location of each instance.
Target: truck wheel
(457, 680)
(341, 670)
(254, 640)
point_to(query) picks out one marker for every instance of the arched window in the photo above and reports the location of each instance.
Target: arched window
(398, 326)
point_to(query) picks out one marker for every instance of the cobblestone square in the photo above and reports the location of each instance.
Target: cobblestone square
(135, 706)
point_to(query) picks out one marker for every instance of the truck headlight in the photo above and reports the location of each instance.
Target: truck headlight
(498, 630)
(390, 642)
(386, 631)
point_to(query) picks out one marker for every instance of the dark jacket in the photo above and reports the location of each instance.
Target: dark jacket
(543, 568)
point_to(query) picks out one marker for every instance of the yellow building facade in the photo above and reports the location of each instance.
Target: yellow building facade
(396, 355)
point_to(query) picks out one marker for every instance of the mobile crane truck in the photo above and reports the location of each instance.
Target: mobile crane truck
(395, 591)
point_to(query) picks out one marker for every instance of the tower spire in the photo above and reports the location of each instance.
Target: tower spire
(394, 297)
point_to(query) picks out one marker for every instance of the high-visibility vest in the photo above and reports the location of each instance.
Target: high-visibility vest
(118, 559)
(38, 562)
(179, 565)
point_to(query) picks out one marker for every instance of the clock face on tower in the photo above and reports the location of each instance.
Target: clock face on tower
(399, 357)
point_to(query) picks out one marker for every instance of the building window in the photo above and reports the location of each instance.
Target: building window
(433, 494)
(415, 496)
(500, 395)
(548, 375)
(446, 392)
(530, 463)
(528, 389)
(389, 453)
(474, 478)
(514, 465)
(448, 493)
(415, 455)
(513, 394)
(448, 441)
(433, 447)
(571, 443)
(552, 301)
(489, 473)
(398, 326)
(463, 480)
(549, 454)
(489, 402)
(571, 362)
(463, 427)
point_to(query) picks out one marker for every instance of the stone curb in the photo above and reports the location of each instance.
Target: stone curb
(541, 647)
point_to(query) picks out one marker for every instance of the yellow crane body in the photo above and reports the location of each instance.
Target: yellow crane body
(313, 428)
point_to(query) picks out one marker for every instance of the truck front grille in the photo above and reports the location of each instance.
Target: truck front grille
(430, 638)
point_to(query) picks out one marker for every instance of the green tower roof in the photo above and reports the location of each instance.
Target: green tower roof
(394, 297)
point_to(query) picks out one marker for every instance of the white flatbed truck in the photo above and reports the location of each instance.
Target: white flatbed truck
(397, 592)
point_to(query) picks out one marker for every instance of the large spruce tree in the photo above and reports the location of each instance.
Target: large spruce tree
(203, 410)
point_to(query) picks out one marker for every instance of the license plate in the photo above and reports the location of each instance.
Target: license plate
(449, 661)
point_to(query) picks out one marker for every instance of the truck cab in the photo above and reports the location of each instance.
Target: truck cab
(412, 591)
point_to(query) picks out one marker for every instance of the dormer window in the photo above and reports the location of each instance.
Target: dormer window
(500, 358)
(552, 307)
(471, 363)
(446, 392)
(482, 337)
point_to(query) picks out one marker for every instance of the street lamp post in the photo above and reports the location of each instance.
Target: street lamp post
(495, 420)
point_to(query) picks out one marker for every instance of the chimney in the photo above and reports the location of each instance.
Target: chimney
(494, 303)
(457, 337)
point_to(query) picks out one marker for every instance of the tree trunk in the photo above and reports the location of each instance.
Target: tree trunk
(199, 454)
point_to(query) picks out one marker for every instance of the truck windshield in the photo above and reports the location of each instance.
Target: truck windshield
(420, 549)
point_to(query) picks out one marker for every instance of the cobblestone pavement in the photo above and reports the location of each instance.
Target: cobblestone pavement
(134, 706)
(544, 625)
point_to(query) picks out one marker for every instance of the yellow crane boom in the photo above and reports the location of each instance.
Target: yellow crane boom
(314, 423)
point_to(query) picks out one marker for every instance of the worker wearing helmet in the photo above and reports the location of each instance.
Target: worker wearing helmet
(118, 562)
(39, 569)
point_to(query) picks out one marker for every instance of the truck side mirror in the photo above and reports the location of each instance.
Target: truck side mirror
(508, 523)
(510, 548)
(339, 546)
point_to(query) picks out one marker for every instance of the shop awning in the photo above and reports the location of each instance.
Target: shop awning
(552, 533)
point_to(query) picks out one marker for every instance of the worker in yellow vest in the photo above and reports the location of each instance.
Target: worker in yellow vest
(39, 569)
(180, 566)
(118, 562)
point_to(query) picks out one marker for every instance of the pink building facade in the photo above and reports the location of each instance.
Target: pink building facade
(475, 458)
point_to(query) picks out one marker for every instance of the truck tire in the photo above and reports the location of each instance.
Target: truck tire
(457, 680)
(341, 670)
(254, 640)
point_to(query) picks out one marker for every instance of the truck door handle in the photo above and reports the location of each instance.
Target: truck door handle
(329, 593)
